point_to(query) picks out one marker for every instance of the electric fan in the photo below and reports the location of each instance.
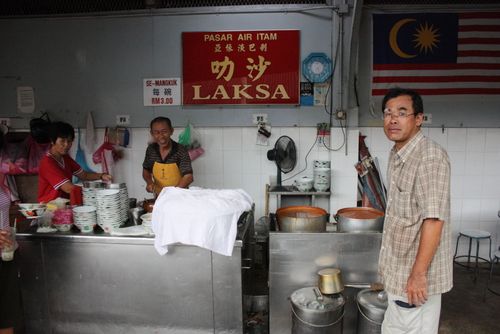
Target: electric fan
(284, 154)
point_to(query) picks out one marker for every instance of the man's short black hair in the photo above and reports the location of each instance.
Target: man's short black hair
(160, 119)
(61, 130)
(418, 104)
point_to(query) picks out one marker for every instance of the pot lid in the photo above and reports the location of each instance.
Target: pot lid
(306, 299)
(373, 303)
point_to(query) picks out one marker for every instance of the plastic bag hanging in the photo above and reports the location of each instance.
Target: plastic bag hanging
(106, 155)
(185, 136)
(80, 157)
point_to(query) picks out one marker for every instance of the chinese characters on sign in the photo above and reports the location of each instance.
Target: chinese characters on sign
(162, 92)
(241, 67)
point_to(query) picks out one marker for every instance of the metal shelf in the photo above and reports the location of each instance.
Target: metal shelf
(286, 191)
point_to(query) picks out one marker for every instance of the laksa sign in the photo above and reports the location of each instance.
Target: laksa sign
(241, 67)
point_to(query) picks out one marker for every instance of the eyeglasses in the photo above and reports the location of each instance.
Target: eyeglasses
(388, 113)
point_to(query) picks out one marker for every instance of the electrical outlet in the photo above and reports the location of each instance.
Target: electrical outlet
(427, 119)
(122, 119)
(340, 114)
(259, 118)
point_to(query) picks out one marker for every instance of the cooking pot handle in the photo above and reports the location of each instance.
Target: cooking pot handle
(336, 217)
(318, 294)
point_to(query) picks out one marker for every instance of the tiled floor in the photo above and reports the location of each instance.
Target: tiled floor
(468, 307)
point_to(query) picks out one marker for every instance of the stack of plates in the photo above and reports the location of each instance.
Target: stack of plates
(85, 218)
(123, 199)
(108, 209)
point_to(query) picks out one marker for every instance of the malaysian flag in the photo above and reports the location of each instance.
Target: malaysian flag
(437, 53)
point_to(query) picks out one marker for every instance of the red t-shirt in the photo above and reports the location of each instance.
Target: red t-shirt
(53, 175)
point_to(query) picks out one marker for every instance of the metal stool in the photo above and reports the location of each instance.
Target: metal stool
(477, 235)
(496, 258)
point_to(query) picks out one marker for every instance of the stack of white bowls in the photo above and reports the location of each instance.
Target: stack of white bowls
(123, 199)
(322, 175)
(89, 192)
(85, 218)
(108, 209)
(304, 184)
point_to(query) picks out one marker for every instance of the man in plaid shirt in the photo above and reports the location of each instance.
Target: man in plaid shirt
(415, 262)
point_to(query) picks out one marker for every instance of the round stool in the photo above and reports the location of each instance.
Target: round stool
(496, 258)
(477, 235)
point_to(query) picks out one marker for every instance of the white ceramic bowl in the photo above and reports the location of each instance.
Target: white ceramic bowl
(85, 228)
(84, 209)
(63, 227)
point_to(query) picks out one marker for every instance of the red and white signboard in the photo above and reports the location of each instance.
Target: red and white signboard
(241, 67)
(162, 92)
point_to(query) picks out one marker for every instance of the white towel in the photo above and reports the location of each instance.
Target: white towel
(206, 218)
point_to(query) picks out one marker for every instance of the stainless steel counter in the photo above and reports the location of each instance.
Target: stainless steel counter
(77, 283)
(295, 259)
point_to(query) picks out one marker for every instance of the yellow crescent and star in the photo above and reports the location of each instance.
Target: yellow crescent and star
(426, 38)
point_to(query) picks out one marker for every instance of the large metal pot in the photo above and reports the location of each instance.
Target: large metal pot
(313, 313)
(362, 219)
(371, 310)
(302, 219)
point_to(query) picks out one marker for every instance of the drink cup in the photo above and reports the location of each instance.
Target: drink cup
(8, 251)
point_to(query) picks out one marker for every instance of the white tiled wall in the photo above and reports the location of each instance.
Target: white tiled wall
(475, 177)
(234, 160)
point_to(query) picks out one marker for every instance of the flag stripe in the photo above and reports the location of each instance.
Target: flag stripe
(480, 15)
(451, 78)
(479, 47)
(436, 72)
(448, 91)
(477, 27)
(478, 40)
(462, 66)
(478, 53)
(416, 85)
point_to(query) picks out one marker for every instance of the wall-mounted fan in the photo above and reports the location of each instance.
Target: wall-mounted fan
(284, 154)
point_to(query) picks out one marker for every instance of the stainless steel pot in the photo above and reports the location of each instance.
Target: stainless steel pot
(313, 313)
(362, 219)
(302, 219)
(371, 310)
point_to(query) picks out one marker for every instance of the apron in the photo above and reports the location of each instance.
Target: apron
(165, 175)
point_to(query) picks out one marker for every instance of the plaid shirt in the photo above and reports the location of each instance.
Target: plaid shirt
(419, 188)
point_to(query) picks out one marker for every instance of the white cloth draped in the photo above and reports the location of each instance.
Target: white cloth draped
(203, 217)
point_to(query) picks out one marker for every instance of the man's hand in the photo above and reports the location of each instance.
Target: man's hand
(416, 289)
(150, 187)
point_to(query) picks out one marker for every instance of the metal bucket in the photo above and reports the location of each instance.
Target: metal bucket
(371, 311)
(313, 313)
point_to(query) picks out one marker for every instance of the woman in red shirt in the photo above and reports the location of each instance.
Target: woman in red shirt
(57, 167)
